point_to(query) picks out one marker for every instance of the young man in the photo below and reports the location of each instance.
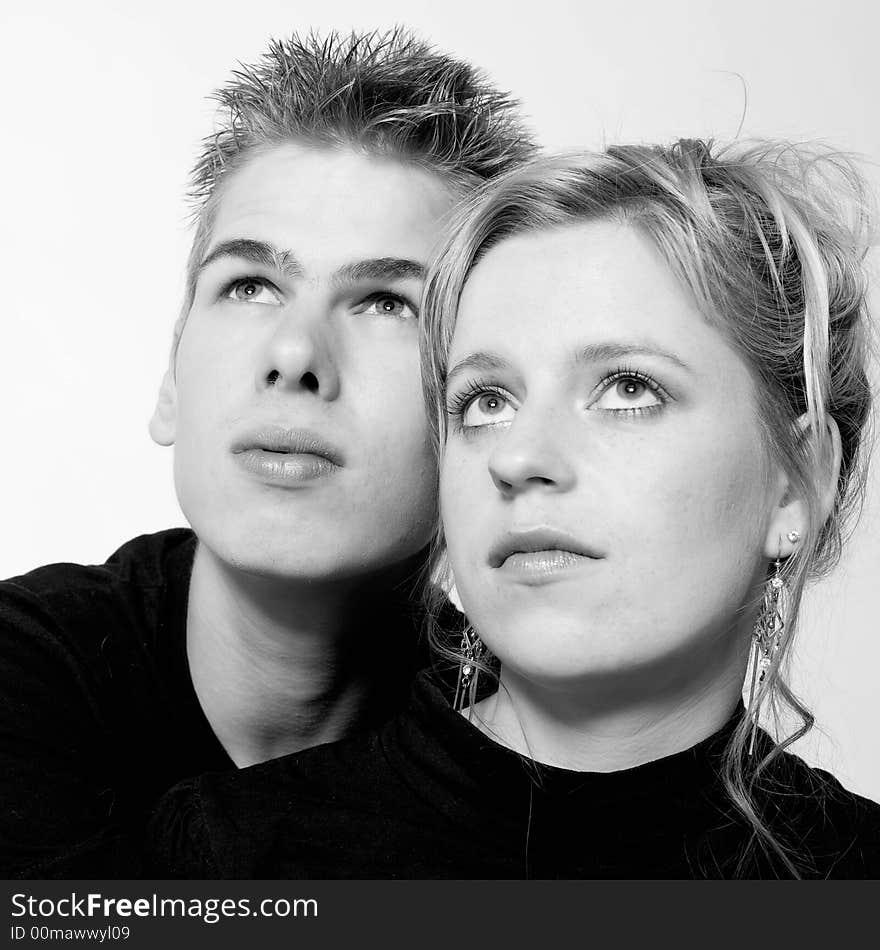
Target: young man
(285, 619)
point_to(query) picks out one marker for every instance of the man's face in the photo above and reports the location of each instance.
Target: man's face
(296, 411)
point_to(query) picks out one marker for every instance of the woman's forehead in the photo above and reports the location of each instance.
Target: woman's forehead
(591, 284)
(595, 264)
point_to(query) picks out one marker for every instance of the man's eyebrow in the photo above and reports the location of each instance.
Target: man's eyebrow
(379, 268)
(601, 352)
(477, 362)
(267, 255)
(257, 252)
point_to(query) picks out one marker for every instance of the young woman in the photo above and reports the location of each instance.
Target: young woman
(647, 375)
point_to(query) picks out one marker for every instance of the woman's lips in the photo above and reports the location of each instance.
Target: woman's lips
(539, 553)
(543, 567)
(541, 562)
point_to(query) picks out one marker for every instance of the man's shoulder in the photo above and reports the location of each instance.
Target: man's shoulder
(83, 601)
(140, 561)
(334, 771)
(369, 771)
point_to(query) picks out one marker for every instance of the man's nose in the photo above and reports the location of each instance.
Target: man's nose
(531, 455)
(301, 353)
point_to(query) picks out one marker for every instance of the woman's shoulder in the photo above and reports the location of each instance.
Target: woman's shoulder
(824, 789)
(838, 828)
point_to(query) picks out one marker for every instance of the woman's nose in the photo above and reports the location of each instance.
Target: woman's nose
(531, 454)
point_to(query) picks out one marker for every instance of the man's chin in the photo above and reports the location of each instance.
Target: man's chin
(314, 564)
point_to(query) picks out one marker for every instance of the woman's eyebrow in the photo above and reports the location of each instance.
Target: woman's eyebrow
(602, 352)
(481, 361)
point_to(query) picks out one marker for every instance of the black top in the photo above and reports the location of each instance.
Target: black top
(430, 796)
(98, 715)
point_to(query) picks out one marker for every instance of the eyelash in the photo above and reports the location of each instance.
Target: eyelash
(391, 295)
(230, 285)
(623, 372)
(459, 402)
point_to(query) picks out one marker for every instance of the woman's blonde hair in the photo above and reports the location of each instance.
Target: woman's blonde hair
(770, 239)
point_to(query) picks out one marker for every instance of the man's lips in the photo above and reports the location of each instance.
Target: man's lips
(287, 442)
(285, 457)
(534, 540)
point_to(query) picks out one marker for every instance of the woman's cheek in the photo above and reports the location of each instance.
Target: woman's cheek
(464, 500)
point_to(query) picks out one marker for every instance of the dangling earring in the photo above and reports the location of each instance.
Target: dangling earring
(470, 652)
(765, 641)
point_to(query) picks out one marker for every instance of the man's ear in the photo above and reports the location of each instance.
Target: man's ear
(792, 512)
(163, 424)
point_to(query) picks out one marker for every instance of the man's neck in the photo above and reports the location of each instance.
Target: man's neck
(280, 666)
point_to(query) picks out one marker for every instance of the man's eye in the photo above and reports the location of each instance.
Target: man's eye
(628, 394)
(387, 305)
(253, 290)
(487, 409)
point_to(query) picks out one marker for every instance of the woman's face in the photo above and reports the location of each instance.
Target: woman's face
(605, 493)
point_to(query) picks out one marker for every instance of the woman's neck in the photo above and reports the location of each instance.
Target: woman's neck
(606, 724)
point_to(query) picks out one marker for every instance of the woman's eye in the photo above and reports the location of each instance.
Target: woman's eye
(486, 410)
(627, 392)
(253, 290)
(387, 305)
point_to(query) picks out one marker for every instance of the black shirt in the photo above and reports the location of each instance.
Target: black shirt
(98, 714)
(430, 796)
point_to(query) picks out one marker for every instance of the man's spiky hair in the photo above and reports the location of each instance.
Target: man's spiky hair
(387, 93)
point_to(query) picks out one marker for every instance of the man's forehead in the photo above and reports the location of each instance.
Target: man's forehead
(317, 200)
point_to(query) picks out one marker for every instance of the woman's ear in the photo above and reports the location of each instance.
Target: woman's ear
(792, 513)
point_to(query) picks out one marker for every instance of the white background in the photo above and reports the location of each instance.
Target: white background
(103, 105)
